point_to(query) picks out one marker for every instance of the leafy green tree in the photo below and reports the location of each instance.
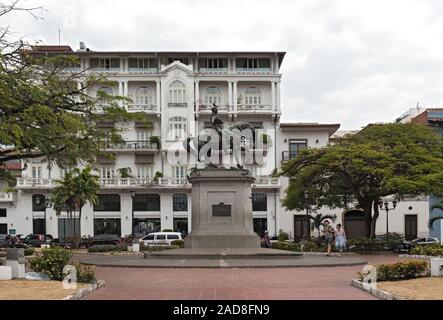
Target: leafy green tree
(438, 206)
(48, 110)
(73, 192)
(380, 160)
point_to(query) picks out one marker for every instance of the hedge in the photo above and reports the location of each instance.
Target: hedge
(401, 271)
(434, 250)
(108, 248)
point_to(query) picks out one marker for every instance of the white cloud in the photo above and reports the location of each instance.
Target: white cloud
(348, 61)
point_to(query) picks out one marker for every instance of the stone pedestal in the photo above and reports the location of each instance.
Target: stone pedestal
(222, 210)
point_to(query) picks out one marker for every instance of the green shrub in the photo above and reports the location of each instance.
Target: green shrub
(312, 247)
(178, 243)
(29, 252)
(108, 248)
(158, 248)
(287, 246)
(85, 274)
(282, 236)
(434, 250)
(401, 271)
(51, 262)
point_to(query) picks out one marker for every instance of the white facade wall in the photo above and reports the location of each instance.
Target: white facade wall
(233, 86)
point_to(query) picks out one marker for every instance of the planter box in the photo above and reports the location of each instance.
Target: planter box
(437, 267)
(5, 273)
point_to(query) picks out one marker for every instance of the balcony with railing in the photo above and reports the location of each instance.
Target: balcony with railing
(177, 105)
(136, 71)
(132, 146)
(257, 71)
(266, 182)
(203, 107)
(215, 71)
(6, 197)
(255, 107)
(148, 108)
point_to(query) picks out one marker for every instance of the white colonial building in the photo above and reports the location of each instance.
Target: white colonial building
(177, 89)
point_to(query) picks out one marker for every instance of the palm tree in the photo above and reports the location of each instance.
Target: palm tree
(73, 192)
(438, 206)
(318, 219)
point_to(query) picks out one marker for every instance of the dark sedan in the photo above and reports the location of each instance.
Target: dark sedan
(407, 246)
(105, 239)
(5, 240)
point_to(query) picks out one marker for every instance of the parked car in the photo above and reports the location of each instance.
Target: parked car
(408, 245)
(161, 238)
(37, 240)
(5, 240)
(104, 239)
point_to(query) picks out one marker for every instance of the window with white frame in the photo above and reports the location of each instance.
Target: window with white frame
(106, 172)
(143, 135)
(177, 128)
(65, 171)
(213, 95)
(213, 63)
(105, 63)
(180, 173)
(143, 96)
(177, 92)
(253, 96)
(253, 63)
(36, 172)
(145, 172)
(138, 63)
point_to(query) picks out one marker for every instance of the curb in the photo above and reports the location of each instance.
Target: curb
(418, 257)
(80, 294)
(381, 294)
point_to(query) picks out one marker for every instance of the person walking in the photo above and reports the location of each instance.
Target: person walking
(340, 239)
(329, 233)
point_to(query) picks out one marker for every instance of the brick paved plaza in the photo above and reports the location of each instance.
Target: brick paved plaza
(239, 284)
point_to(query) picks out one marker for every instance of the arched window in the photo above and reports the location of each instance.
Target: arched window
(143, 96)
(213, 95)
(177, 128)
(253, 97)
(177, 92)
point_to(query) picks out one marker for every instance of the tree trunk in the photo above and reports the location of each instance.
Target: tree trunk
(367, 209)
(374, 219)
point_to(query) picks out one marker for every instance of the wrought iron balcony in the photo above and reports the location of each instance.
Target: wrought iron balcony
(149, 108)
(252, 107)
(132, 145)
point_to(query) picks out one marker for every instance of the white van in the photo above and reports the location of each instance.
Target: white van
(161, 238)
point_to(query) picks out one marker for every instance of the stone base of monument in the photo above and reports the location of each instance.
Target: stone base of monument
(218, 241)
(222, 209)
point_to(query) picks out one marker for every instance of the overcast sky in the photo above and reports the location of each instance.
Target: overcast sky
(350, 62)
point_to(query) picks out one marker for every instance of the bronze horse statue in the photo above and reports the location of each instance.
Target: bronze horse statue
(227, 138)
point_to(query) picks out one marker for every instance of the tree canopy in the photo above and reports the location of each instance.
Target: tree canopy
(379, 161)
(50, 110)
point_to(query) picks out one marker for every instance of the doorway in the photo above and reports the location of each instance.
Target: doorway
(260, 226)
(301, 228)
(411, 226)
(355, 224)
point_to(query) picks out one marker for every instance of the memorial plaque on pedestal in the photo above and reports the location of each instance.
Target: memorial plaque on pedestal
(221, 210)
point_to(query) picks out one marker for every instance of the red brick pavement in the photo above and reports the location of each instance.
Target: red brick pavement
(232, 284)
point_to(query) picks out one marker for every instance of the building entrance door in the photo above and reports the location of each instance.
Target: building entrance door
(411, 227)
(301, 228)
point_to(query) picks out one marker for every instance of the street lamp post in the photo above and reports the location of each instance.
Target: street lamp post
(47, 204)
(385, 205)
(308, 220)
(133, 194)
